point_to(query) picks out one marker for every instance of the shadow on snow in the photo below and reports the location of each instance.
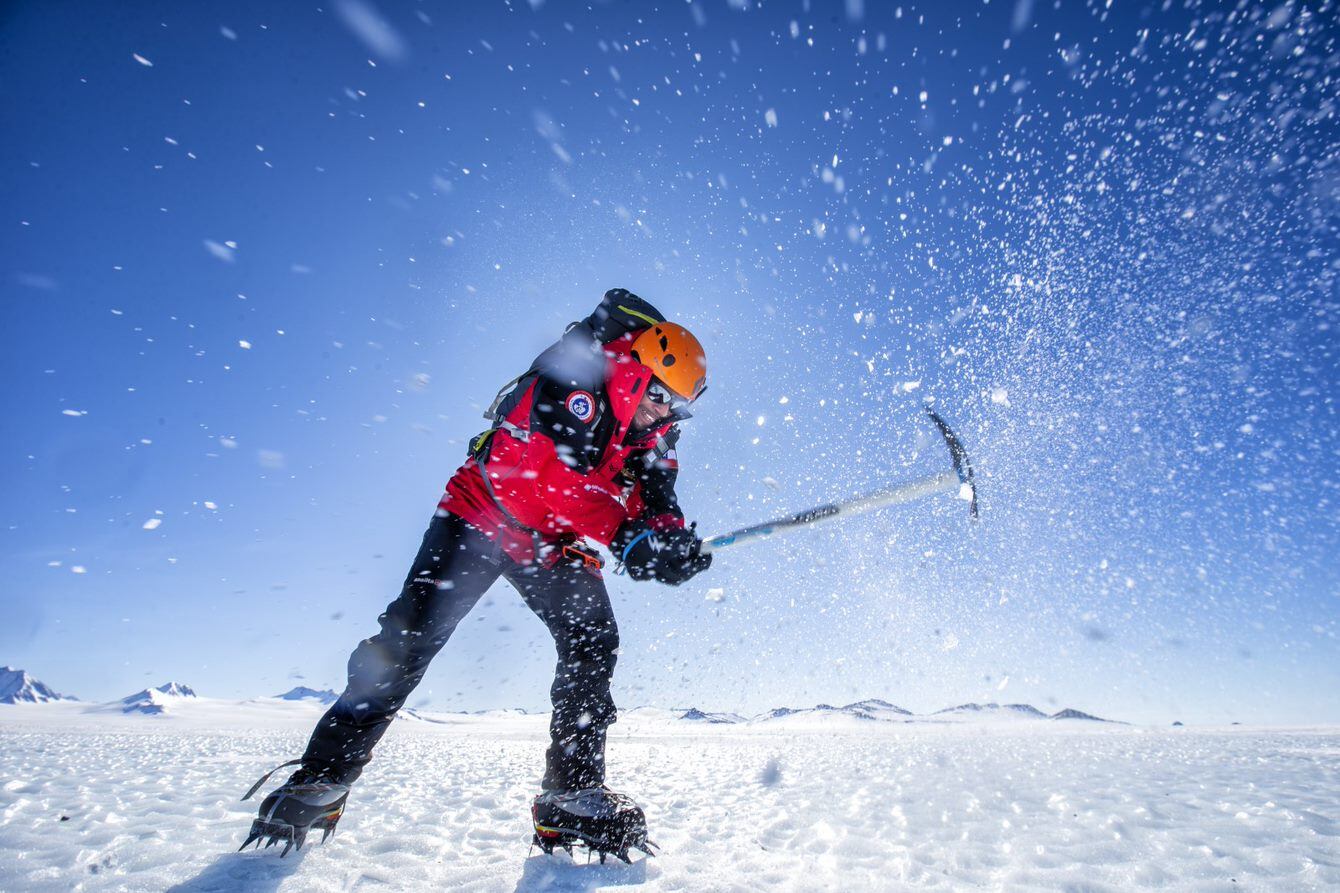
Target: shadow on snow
(249, 872)
(563, 875)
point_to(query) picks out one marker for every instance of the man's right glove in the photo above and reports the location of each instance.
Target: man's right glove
(670, 556)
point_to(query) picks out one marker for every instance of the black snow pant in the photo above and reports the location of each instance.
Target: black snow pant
(454, 567)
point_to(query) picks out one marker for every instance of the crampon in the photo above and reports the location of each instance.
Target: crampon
(304, 803)
(604, 822)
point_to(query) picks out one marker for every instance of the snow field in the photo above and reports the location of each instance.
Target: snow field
(807, 805)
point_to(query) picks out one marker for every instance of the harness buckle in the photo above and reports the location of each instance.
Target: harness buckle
(589, 559)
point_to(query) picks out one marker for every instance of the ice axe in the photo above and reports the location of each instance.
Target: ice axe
(959, 480)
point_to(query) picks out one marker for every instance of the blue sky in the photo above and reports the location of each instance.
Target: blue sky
(263, 266)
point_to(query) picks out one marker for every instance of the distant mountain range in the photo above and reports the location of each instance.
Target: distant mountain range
(875, 709)
(17, 687)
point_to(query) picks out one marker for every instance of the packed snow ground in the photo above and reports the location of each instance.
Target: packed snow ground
(91, 799)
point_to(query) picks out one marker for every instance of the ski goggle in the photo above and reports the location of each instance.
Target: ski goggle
(661, 395)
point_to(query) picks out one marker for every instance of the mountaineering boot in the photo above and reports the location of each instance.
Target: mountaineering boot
(599, 819)
(309, 799)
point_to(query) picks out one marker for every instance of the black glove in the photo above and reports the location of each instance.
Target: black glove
(680, 558)
(635, 546)
(669, 556)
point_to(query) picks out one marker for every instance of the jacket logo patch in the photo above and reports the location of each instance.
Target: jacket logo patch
(582, 405)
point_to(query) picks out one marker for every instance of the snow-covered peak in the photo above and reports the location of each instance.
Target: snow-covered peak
(696, 715)
(1071, 713)
(155, 701)
(176, 690)
(303, 693)
(17, 687)
(1027, 710)
(875, 706)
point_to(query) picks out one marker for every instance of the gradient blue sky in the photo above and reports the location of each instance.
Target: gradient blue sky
(264, 264)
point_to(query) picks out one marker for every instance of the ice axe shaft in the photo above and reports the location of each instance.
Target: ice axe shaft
(940, 483)
(960, 481)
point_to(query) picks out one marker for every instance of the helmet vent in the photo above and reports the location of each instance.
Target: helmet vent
(668, 360)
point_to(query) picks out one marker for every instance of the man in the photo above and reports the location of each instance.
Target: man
(581, 448)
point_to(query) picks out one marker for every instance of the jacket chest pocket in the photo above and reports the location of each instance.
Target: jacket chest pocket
(611, 469)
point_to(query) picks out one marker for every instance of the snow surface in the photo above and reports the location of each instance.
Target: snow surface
(816, 801)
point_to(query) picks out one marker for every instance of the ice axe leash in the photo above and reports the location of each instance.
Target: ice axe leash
(959, 480)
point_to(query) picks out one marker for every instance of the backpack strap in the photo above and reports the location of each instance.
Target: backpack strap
(577, 354)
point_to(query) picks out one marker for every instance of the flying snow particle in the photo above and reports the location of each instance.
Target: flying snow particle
(715, 595)
(228, 32)
(272, 459)
(78, 569)
(34, 280)
(1023, 14)
(244, 344)
(74, 413)
(1000, 396)
(910, 386)
(152, 524)
(212, 506)
(949, 643)
(1004, 682)
(219, 250)
(143, 61)
(368, 25)
(770, 117)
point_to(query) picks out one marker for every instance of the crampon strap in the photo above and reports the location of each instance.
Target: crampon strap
(266, 777)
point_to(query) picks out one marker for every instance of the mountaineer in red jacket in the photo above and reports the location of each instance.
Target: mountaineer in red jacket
(582, 448)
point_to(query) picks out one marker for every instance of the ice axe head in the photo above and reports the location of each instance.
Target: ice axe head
(962, 467)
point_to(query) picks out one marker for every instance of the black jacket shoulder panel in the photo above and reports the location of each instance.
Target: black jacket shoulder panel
(576, 419)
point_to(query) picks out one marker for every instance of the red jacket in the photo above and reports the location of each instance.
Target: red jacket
(563, 464)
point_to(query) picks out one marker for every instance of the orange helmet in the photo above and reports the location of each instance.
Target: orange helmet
(672, 353)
